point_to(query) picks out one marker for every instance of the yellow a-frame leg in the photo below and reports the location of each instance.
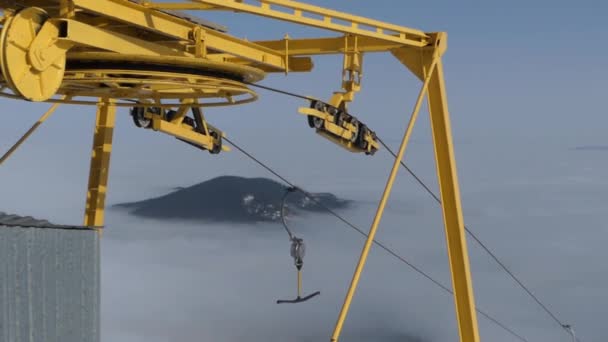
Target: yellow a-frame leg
(462, 285)
(380, 211)
(100, 164)
(452, 209)
(427, 66)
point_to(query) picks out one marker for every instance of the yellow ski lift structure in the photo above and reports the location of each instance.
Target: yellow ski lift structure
(143, 54)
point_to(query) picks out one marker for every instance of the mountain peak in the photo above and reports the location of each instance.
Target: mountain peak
(230, 199)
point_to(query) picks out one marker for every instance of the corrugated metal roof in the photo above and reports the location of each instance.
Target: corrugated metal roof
(49, 283)
(9, 220)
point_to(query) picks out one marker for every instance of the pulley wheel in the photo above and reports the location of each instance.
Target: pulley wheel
(318, 122)
(357, 130)
(217, 147)
(17, 36)
(139, 119)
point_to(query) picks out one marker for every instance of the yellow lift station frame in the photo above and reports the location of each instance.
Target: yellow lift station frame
(60, 50)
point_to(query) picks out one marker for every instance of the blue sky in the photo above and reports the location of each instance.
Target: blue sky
(525, 81)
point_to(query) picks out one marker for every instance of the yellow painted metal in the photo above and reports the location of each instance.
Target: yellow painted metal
(293, 64)
(172, 26)
(66, 9)
(29, 132)
(200, 50)
(412, 59)
(452, 209)
(179, 6)
(346, 131)
(181, 112)
(343, 135)
(100, 163)
(378, 217)
(86, 85)
(139, 15)
(246, 73)
(207, 128)
(343, 143)
(418, 62)
(331, 20)
(87, 35)
(130, 53)
(48, 47)
(324, 46)
(186, 132)
(124, 83)
(352, 69)
(22, 77)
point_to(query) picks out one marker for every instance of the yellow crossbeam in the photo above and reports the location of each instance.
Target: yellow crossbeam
(310, 15)
(325, 46)
(189, 135)
(49, 45)
(172, 26)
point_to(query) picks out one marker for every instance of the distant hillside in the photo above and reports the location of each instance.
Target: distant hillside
(592, 148)
(229, 199)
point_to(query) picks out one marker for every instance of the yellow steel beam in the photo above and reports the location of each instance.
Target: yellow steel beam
(88, 35)
(296, 64)
(29, 132)
(310, 47)
(315, 16)
(185, 133)
(57, 36)
(100, 163)
(66, 9)
(419, 61)
(180, 6)
(452, 209)
(380, 211)
(172, 26)
(182, 111)
(324, 46)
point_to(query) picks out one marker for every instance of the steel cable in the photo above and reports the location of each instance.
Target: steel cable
(360, 231)
(475, 238)
(478, 241)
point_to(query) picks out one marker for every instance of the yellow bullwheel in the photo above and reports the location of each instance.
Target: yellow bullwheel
(29, 74)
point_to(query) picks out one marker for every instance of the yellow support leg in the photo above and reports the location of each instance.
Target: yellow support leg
(100, 164)
(419, 63)
(29, 132)
(452, 209)
(380, 211)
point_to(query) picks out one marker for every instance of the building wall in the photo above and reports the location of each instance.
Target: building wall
(49, 285)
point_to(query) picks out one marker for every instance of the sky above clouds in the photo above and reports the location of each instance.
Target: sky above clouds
(526, 85)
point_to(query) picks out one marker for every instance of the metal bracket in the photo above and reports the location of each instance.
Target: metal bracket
(200, 47)
(57, 36)
(352, 69)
